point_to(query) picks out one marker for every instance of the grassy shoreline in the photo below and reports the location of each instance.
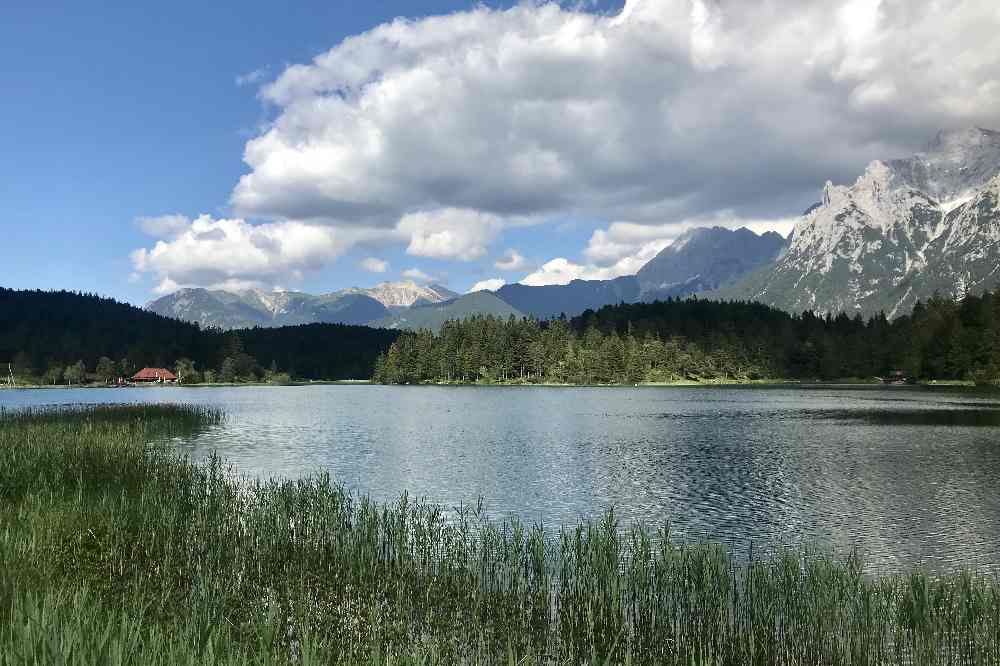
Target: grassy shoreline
(114, 550)
(318, 382)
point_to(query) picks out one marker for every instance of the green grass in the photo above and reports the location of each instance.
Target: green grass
(115, 551)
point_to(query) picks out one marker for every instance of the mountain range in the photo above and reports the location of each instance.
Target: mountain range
(905, 230)
(699, 259)
(216, 308)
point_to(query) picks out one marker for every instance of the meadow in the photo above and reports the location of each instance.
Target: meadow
(115, 550)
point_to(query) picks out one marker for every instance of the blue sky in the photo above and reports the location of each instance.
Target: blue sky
(119, 110)
(622, 139)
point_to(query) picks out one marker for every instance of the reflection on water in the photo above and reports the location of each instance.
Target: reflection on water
(907, 476)
(958, 417)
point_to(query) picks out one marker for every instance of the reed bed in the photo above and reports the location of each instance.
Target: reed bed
(114, 550)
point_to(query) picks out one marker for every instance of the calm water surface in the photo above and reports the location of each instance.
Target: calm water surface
(908, 476)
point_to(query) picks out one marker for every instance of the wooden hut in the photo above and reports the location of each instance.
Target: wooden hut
(154, 376)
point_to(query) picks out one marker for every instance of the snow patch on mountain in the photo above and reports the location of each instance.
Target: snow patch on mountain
(906, 228)
(405, 294)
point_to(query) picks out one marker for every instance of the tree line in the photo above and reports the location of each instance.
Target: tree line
(65, 337)
(701, 340)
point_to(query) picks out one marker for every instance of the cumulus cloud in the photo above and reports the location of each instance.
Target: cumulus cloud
(674, 108)
(623, 239)
(374, 265)
(511, 261)
(563, 271)
(231, 253)
(449, 233)
(487, 285)
(438, 133)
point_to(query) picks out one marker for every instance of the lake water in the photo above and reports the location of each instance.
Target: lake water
(908, 476)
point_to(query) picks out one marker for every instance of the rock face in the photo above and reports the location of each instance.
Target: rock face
(404, 294)
(704, 258)
(904, 230)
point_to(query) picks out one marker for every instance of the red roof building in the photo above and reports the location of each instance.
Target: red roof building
(154, 375)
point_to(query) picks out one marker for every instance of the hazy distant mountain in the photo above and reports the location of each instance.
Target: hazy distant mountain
(705, 258)
(404, 294)
(904, 230)
(249, 308)
(570, 299)
(246, 309)
(432, 316)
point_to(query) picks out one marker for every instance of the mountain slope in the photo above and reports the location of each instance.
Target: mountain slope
(570, 299)
(903, 231)
(704, 258)
(432, 316)
(404, 294)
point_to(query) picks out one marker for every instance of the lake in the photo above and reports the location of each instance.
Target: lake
(910, 477)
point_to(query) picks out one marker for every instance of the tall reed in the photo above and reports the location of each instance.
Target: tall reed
(115, 550)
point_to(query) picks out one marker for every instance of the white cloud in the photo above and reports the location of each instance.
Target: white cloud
(163, 226)
(671, 110)
(439, 133)
(563, 271)
(166, 286)
(449, 233)
(417, 275)
(226, 253)
(511, 261)
(487, 285)
(623, 239)
(374, 265)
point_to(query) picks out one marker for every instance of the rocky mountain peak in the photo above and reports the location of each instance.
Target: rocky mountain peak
(954, 164)
(906, 229)
(704, 258)
(957, 143)
(406, 293)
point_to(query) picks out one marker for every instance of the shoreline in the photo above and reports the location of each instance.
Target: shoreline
(757, 383)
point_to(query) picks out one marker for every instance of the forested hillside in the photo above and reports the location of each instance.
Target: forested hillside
(705, 340)
(44, 333)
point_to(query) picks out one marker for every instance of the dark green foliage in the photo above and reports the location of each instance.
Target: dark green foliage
(113, 550)
(706, 340)
(488, 349)
(43, 333)
(319, 351)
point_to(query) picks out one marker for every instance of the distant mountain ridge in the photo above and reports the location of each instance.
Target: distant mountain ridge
(699, 259)
(256, 308)
(404, 294)
(544, 302)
